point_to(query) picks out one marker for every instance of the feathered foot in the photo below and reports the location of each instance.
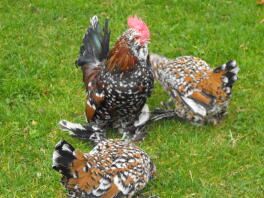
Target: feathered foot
(167, 105)
(135, 134)
(83, 132)
(138, 131)
(160, 114)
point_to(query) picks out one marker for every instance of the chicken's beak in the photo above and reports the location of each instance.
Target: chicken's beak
(147, 41)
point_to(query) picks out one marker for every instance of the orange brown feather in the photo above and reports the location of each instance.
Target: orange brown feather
(113, 167)
(120, 58)
(197, 95)
(200, 93)
(89, 111)
(214, 85)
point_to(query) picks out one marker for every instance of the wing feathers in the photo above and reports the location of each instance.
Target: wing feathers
(197, 95)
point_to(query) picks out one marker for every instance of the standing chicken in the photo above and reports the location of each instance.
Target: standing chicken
(117, 82)
(114, 168)
(200, 94)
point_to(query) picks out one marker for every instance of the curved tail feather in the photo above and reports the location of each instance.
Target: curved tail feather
(230, 70)
(95, 45)
(62, 158)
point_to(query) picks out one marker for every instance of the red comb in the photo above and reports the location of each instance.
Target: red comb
(138, 25)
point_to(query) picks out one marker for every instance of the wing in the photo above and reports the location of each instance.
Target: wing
(119, 59)
(86, 178)
(95, 92)
(182, 76)
(214, 88)
(90, 179)
(218, 84)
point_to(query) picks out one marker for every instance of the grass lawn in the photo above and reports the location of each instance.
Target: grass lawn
(39, 85)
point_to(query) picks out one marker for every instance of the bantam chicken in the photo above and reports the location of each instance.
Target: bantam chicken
(118, 82)
(200, 94)
(113, 169)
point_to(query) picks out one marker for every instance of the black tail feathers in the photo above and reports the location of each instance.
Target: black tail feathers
(62, 158)
(83, 132)
(95, 45)
(230, 76)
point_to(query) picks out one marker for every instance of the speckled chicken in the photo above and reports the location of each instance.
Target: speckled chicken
(200, 93)
(118, 82)
(113, 169)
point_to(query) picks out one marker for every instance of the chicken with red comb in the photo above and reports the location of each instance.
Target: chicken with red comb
(117, 81)
(139, 25)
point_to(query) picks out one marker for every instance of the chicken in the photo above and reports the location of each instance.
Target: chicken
(114, 168)
(118, 82)
(200, 94)
(260, 2)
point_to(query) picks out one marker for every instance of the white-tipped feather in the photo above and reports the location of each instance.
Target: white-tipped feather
(228, 90)
(69, 126)
(74, 175)
(143, 117)
(97, 193)
(225, 80)
(65, 147)
(234, 78)
(76, 187)
(104, 184)
(91, 105)
(223, 66)
(235, 70)
(59, 143)
(233, 63)
(197, 108)
(120, 186)
(94, 21)
(55, 156)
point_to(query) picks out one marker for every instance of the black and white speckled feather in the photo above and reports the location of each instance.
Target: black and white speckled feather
(118, 82)
(200, 94)
(114, 168)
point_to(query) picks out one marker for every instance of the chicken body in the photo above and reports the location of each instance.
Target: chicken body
(200, 93)
(124, 97)
(118, 82)
(114, 168)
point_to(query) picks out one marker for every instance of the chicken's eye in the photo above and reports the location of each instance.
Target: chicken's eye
(137, 37)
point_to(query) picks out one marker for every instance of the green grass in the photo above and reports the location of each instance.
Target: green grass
(39, 85)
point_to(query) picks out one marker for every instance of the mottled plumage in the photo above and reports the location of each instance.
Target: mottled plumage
(200, 93)
(114, 168)
(118, 82)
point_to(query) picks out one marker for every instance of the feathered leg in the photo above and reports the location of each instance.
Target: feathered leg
(83, 132)
(137, 131)
(167, 105)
